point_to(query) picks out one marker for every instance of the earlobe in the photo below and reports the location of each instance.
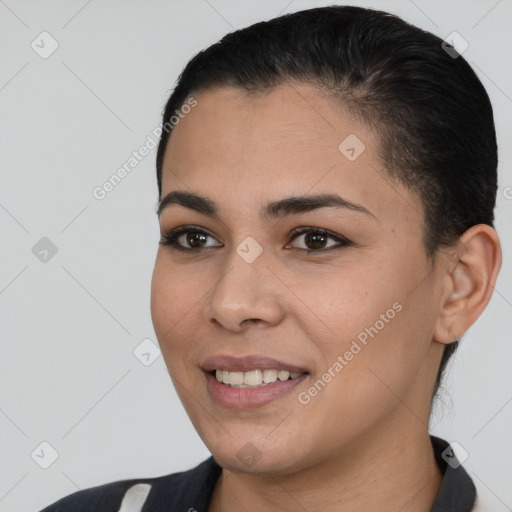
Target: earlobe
(469, 283)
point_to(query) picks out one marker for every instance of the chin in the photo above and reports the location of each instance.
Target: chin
(252, 458)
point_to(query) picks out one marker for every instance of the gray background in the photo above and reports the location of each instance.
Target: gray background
(69, 326)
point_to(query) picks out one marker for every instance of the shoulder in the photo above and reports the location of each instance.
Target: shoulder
(458, 490)
(102, 497)
(131, 495)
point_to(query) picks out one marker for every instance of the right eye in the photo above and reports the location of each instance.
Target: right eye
(195, 238)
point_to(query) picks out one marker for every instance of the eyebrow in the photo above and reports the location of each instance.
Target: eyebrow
(273, 210)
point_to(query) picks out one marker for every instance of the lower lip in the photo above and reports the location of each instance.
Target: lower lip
(249, 398)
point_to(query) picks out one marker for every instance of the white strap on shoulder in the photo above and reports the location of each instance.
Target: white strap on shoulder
(134, 498)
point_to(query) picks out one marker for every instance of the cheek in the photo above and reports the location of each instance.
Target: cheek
(341, 305)
(373, 323)
(172, 302)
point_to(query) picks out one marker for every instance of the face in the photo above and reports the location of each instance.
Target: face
(340, 291)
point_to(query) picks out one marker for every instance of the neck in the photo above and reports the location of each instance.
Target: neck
(386, 472)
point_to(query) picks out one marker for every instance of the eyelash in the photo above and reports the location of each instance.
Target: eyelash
(171, 239)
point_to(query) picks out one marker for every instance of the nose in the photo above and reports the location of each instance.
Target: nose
(246, 293)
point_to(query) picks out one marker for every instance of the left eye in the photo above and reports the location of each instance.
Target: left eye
(315, 239)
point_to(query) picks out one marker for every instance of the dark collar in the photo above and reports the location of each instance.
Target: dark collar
(457, 492)
(193, 489)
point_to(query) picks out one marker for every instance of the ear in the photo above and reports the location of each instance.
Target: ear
(471, 275)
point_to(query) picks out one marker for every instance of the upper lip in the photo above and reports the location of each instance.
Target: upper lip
(247, 363)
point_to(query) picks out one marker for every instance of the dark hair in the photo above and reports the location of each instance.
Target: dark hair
(432, 113)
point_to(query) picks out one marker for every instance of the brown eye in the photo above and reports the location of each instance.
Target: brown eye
(316, 239)
(194, 238)
(187, 239)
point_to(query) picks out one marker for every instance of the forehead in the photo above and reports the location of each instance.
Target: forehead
(286, 141)
(288, 120)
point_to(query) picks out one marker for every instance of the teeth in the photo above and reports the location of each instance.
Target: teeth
(235, 378)
(253, 378)
(283, 375)
(269, 376)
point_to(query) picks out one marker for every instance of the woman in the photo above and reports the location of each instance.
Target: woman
(326, 215)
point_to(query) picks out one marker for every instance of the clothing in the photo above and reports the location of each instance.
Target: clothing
(190, 491)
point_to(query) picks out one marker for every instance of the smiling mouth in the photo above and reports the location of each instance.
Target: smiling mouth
(253, 378)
